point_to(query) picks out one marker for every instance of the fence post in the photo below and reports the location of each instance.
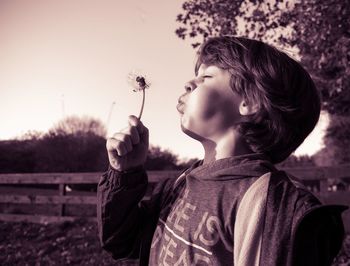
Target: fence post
(62, 192)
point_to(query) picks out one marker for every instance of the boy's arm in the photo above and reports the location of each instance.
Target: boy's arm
(118, 214)
(319, 236)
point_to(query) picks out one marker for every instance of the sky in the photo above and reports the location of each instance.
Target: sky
(72, 57)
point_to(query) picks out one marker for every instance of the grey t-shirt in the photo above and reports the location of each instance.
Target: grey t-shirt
(196, 224)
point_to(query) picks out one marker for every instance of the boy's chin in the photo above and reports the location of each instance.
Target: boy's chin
(191, 133)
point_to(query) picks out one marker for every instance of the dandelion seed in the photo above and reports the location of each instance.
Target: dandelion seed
(139, 83)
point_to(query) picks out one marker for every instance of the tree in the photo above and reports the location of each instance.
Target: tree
(74, 144)
(159, 159)
(31, 135)
(17, 156)
(319, 31)
(297, 161)
(75, 125)
(337, 143)
(71, 153)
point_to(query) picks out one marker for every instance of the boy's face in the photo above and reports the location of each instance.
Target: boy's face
(209, 107)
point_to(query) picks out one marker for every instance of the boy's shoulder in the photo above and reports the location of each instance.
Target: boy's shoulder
(291, 205)
(288, 194)
(292, 186)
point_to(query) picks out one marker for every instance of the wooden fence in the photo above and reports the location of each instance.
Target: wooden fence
(322, 180)
(17, 189)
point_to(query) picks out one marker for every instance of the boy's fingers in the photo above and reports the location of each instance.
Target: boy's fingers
(116, 145)
(121, 148)
(145, 136)
(134, 121)
(124, 138)
(133, 133)
(142, 130)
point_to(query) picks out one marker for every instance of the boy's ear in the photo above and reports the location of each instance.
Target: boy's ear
(246, 108)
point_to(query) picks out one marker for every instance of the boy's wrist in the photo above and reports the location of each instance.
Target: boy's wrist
(128, 178)
(131, 170)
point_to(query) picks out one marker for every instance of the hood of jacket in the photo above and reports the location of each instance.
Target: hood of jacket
(248, 165)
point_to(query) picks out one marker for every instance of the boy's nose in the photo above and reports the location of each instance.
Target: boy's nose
(190, 86)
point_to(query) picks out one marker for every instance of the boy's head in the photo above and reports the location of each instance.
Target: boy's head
(287, 101)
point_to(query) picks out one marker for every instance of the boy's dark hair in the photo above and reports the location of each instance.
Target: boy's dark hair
(288, 101)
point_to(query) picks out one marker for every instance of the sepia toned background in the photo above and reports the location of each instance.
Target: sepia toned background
(63, 58)
(64, 90)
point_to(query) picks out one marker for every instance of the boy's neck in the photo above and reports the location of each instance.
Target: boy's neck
(227, 145)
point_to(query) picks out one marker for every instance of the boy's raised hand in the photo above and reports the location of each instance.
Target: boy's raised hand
(128, 148)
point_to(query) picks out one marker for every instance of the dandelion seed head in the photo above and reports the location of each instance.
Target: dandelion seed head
(138, 81)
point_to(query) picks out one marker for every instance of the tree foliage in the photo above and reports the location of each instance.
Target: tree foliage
(298, 161)
(71, 153)
(75, 125)
(74, 144)
(17, 156)
(320, 31)
(337, 143)
(160, 159)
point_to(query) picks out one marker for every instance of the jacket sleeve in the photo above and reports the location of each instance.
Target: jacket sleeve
(319, 236)
(119, 216)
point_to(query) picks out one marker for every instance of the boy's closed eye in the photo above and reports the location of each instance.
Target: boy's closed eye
(192, 85)
(202, 78)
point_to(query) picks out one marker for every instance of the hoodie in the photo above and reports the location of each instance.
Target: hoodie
(191, 220)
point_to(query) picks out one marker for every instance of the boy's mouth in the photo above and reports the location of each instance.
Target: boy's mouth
(180, 107)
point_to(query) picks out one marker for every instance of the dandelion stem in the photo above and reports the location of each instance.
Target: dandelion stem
(143, 102)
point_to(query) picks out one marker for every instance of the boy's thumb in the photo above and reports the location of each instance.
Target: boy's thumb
(142, 130)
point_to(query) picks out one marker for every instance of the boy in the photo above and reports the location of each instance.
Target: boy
(250, 106)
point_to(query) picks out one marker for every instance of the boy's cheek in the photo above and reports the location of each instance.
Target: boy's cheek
(206, 107)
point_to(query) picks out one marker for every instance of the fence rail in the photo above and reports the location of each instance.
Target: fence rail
(61, 198)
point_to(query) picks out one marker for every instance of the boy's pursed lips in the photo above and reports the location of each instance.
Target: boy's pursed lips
(180, 107)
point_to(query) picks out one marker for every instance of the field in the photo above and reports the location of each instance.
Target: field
(68, 244)
(76, 243)
(65, 243)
